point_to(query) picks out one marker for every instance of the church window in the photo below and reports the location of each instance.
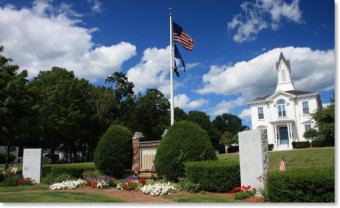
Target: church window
(305, 107)
(281, 108)
(260, 112)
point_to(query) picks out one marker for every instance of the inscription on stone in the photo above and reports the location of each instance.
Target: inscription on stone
(32, 164)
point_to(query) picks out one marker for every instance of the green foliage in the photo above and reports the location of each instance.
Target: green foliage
(311, 133)
(92, 173)
(299, 145)
(51, 178)
(151, 115)
(270, 147)
(75, 170)
(3, 157)
(47, 160)
(325, 119)
(186, 185)
(114, 151)
(319, 143)
(203, 120)
(215, 176)
(245, 194)
(180, 114)
(228, 123)
(315, 184)
(10, 179)
(227, 139)
(185, 141)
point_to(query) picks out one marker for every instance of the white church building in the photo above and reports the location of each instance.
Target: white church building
(286, 114)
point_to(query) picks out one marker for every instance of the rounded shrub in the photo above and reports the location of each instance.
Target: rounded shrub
(311, 184)
(3, 157)
(184, 142)
(114, 151)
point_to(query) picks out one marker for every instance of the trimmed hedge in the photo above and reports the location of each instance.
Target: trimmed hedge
(315, 184)
(233, 149)
(215, 176)
(319, 143)
(299, 145)
(114, 151)
(270, 147)
(74, 169)
(3, 158)
(184, 142)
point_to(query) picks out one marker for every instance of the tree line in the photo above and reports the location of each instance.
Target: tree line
(57, 110)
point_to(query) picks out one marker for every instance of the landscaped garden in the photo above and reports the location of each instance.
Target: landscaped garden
(208, 179)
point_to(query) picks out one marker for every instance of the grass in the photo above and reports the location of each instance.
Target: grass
(59, 197)
(296, 158)
(23, 188)
(201, 198)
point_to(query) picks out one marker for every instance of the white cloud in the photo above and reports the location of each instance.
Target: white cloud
(192, 65)
(153, 71)
(311, 71)
(184, 102)
(262, 14)
(96, 5)
(245, 114)
(44, 36)
(226, 106)
(325, 105)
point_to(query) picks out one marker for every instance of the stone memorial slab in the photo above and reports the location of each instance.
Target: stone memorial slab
(32, 166)
(254, 160)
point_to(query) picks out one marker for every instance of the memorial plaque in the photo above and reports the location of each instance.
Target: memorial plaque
(254, 160)
(32, 166)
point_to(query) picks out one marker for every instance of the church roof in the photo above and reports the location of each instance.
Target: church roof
(282, 57)
(294, 92)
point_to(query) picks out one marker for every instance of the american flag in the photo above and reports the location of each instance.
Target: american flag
(282, 163)
(181, 36)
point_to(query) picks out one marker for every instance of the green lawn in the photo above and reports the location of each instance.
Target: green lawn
(59, 197)
(201, 198)
(295, 158)
(23, 188)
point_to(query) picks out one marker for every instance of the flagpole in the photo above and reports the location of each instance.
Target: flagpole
(171, 73)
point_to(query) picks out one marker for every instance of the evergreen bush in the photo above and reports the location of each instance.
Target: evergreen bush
(299, 145)
(319, 143)
(185, 141)
(315, 184)
(270, 147)
(3, 158)
(215, 176)
(114, 151)
(74, 169)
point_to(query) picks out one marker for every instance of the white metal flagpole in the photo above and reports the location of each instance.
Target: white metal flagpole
(171, 72)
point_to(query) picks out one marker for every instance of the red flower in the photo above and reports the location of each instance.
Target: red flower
(254, 189)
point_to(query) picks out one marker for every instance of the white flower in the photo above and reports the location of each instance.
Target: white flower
(70, 184)
(158, 189)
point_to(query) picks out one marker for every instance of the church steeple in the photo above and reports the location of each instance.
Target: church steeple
(284, 82)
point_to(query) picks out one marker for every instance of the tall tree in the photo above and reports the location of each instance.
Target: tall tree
(15, 105)
(63, 107)
(203, 119)
(151, 114)
(228, 122)
(180, 114)
(325, 119)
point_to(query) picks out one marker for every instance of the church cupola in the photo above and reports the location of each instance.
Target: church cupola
(284, 82)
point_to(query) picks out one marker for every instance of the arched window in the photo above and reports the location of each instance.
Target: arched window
(281, 108)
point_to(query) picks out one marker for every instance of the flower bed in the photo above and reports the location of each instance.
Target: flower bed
(99, 183)
(243, 192)
(70, 184)
(26, 181)
(158, 189)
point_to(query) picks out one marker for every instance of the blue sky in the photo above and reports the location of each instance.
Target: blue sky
(233, 61)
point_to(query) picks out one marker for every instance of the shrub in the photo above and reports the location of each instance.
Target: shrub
(299, 145)
(10, 179)
(319, 143)
(114, 151)
(185, 141)
(74, 169)
(51, 179)
(26, 181)
(243, 192)
(188, 186)
(215, 176)
(233, 149)
(92, 173)
(47, 160)
(302, 185)
(3, 158)
(270, 147)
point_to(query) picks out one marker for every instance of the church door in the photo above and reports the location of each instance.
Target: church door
(284, 135)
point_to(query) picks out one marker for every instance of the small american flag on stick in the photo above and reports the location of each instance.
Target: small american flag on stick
(282, 163)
